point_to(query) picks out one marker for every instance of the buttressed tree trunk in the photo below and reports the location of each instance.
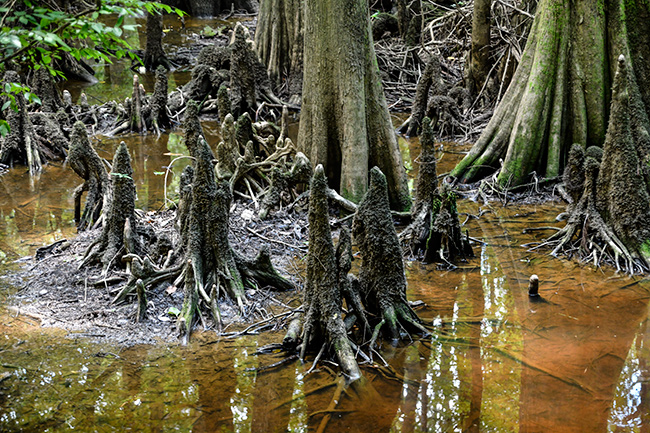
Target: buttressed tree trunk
(345, 124)
(561, 91)
(278, 38)
(479, 65)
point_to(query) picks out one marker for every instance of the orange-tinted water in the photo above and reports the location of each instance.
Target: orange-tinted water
(575, 361)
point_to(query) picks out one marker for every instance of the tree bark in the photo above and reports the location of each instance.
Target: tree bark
(610, 217)
(154, 55)
(345, 124)
(118, 236)
(479, 58)
(409, 21)
(279, 39)
(83, 159)
(560, 92)
(323, 319)
(381, 276)
(20, 145)
(243, 86)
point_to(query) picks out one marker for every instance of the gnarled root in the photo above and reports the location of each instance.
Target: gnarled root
(85, 161)
(323, 319)
(120, 218)
(211, 266)
(381, 276)
(144, 271)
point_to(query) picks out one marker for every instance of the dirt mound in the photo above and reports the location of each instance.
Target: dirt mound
(58, 294)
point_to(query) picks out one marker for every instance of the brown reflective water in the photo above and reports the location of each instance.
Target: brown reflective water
(40, 211)
(574, 361)
(577, 361)
(113, 76)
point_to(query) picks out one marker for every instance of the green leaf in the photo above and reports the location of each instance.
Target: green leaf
(35, 99)
(121, 175)
(4, 128)
(6, 105)
(11, 41)
(173, 311)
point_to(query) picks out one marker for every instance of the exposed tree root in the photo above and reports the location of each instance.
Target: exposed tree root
(142, 270)
(376, 301)
(20, 145)
(154, 55)
(211, 266)
(381, 276)
(119, 234)
(609, 219)
(83, 159)
(434, 234)
(323, 319)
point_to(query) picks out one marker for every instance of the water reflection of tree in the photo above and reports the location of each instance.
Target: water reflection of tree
(570, 377)
(275, 392)
(211, 376)
(41, 214)
(630, 411)
(443, 380)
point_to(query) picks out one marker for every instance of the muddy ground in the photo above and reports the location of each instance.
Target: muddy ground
(55, 292)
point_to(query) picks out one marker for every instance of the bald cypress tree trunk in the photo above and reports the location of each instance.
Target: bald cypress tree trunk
(479, 65)
(345, 124)
(154, 55)
(561, 91)
(279, 38)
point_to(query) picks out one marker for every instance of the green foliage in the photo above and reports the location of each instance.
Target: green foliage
(209, 32)
(9, 93)
(35, 35)
(121, 175)
(11, 90)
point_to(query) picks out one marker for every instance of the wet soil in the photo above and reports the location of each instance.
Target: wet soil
(56, 293)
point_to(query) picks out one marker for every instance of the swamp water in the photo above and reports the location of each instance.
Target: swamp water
(576, 361)
(496, 362)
